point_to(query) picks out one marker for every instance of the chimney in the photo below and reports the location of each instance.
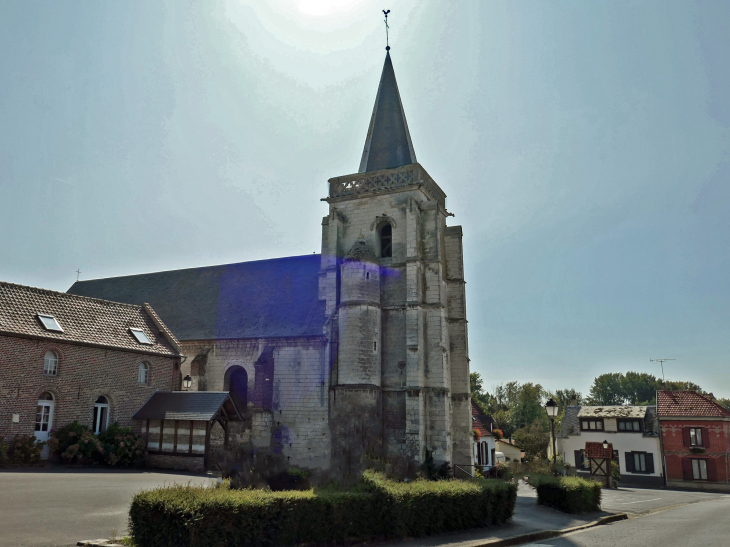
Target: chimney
(574, 402)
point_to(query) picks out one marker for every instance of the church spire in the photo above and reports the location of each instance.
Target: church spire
(388, 143)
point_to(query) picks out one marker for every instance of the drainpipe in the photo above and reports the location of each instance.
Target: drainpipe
(661, 439)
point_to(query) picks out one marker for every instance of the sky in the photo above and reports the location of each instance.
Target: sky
(583, 146)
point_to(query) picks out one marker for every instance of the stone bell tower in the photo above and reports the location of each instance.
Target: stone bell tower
(392, 278)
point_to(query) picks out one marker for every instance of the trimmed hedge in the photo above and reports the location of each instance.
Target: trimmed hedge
(568, 494)
(211, 517)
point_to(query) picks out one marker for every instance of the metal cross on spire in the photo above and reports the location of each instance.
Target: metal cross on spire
(387, 45)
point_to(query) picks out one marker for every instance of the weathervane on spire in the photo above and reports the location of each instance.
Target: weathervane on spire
(387, 45)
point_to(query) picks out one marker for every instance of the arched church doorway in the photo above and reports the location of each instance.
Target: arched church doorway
(236, 382)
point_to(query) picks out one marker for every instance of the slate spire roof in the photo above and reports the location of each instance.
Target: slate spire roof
(388, 143)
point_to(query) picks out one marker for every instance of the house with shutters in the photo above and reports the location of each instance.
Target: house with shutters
(695, 435)
(632, 431)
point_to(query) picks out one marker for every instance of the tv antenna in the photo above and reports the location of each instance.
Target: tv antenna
(661, 362)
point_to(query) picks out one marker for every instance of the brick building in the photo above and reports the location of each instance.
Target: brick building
(695, 434)
(65, 357)
(358, 352)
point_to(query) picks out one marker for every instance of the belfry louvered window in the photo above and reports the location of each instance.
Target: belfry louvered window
(386, 241)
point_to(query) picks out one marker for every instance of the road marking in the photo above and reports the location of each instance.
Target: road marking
(639, 501)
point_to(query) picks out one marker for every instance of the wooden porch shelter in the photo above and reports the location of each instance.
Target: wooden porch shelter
(178, 423)
(600, 459)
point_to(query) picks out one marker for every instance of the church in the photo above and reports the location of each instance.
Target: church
(358, 353)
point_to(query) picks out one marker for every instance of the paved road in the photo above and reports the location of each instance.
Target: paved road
(58, 507)
(642, 500)
(706, 524)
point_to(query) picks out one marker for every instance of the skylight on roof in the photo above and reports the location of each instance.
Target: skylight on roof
(140, 336)
(50, 322)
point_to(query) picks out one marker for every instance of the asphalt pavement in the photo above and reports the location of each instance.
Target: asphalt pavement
(56, 507)
(705, 523)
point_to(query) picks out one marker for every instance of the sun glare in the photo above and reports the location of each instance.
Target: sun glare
(322, 8)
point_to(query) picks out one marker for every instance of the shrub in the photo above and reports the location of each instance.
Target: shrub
(568, 494)
(377, 507)
(3, 450)
(121, 446)
(25, 449)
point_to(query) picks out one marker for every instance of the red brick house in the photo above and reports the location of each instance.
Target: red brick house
(65, 357)
(695, 435)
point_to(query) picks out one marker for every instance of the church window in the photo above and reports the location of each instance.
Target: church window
(386, 241)
(367, 275)
(375, 346)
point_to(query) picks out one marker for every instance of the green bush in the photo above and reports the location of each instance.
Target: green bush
(3, 450)
(187, 515)
(568, 494)
(121, 446)
(25, 449)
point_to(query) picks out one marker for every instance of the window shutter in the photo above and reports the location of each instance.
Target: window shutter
(649, 462)
(687, 468)
(629, 461)
(685, 436)
(705, 437)
(711, 470)
(578, 459)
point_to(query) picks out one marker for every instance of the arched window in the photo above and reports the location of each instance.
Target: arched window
(101, 415)
(143, 375)
(50, 364)
(386, 241)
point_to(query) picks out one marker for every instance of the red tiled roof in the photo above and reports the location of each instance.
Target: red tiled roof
(688, 403)
(83, 320)
(476, 422)
(597, 452)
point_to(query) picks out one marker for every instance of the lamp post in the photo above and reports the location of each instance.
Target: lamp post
(187, 382)
(551, 407)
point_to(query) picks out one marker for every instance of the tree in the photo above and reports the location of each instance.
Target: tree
(533, 440)
(724, 403)
(477, 393)
(607, 389)
(682, 386)
(632, 388)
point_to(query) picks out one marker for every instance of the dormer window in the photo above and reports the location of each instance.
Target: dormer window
(140, 336)
(386, 241)
(49, 322)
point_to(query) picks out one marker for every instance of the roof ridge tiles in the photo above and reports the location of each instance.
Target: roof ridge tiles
(69, 295)
(199, 268)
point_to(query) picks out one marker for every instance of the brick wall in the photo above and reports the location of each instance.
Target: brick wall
(83, 374)
(715, 449)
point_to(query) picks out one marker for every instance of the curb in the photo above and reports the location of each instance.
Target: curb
(548, 534)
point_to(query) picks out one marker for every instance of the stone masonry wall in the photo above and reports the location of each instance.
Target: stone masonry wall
(296, 423)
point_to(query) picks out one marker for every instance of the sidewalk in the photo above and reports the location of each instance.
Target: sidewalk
(529, 518)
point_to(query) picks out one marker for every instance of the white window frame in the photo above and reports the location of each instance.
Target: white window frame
(141, 337)
(143, 374)
(56, 327)
(639, 462)
(101, 410)
(695, 436)
(699, 469)
(50, 364)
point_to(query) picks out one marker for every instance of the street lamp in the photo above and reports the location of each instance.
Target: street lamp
(605, 445)
(187, 382)
(551, 407)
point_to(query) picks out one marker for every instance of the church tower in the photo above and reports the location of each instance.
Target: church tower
(392, 279)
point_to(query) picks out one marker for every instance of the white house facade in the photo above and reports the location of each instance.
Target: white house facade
(633, 432)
